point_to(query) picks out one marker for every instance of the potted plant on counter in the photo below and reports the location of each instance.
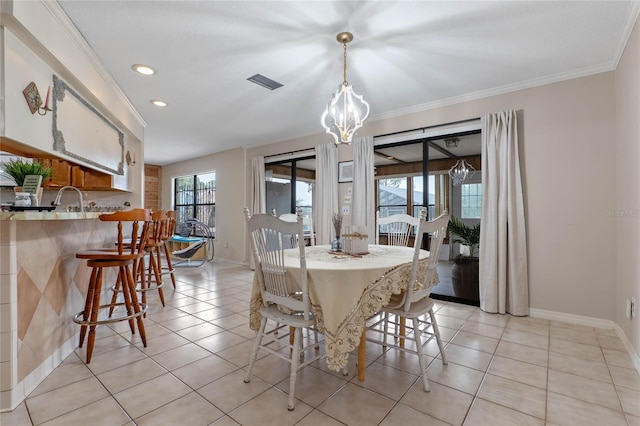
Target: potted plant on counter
(19, 168)
(465, 276)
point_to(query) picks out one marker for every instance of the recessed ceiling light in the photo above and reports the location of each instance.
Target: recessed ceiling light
(159, 103)
(143, 69)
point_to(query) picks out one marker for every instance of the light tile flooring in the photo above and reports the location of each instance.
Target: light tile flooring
(502, 370)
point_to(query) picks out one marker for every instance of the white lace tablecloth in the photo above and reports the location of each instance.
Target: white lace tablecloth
(345, 291)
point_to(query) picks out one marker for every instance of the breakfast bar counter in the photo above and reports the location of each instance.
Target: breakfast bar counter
(44, 215)
(42, 285)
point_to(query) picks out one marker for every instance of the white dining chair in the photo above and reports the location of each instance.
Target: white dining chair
(398, 228)
(414, 303)
(285, 302)
(307, 225)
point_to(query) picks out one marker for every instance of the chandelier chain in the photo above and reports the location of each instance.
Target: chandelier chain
(345, 65)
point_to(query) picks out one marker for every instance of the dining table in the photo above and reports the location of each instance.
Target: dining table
(345, 290)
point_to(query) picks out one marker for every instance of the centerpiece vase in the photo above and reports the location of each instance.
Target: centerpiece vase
(336, 244)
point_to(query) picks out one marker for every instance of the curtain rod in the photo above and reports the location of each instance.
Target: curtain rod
(289, 152)
(435, 126)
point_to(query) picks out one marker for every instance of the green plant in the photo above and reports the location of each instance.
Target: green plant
(20, 168)
(466, 235)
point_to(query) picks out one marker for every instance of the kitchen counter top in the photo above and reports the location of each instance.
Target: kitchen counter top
(54, 215)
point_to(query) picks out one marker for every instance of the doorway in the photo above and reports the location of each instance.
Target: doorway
(412, 174)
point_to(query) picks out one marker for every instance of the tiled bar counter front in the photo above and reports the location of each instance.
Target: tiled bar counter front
(42, 285)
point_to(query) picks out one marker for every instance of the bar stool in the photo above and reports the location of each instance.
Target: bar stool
(126, 257)
(170, 229)
(155, 242)
(143, 276)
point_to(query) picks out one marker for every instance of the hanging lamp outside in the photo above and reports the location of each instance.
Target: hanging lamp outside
(460, 172)
(346, 111)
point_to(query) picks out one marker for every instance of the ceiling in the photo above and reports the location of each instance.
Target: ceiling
(406, 56)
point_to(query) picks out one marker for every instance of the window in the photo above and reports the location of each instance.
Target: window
(290, 184)
(195, 198)
(471, 200)
(394, 198)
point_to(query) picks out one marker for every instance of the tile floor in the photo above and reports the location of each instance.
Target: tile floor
(502, 370)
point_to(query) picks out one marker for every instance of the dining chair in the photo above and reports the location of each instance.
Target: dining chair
(414, 303)
(398, 228)
(307, 225)
(284, 301)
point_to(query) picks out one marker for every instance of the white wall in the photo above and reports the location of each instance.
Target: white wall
(625, 213)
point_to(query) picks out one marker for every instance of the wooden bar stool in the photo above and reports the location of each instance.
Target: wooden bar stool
(126, 257)
(150, 279)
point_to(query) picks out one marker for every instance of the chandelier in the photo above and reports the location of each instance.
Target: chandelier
(460, 172)
(346, 111)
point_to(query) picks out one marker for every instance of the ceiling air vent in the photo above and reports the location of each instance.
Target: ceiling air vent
(263, 81)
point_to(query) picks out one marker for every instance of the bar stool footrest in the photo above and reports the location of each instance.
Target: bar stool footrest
(138, 289)
(77, 318)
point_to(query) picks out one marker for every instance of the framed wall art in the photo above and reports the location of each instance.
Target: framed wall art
(345, 171)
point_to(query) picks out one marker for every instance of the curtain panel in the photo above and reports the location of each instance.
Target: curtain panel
(363, 201)
(258, 189)
(258, 194)
(504, 285)
(326, 194)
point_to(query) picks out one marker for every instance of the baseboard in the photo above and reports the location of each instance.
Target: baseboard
(572, 319)
(627, 344)
(591, 322)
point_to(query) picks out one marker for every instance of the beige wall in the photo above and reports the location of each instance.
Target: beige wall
(627, 208)
(230, 196)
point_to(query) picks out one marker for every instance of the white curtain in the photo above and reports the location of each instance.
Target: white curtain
(363, 202)
(326, 202)
(258, 193)
(258, 190)
(504, 285)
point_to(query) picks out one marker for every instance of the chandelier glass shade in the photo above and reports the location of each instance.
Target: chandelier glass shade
(346, 111)
(460, 172)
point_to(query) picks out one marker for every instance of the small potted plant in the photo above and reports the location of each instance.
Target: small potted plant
(465, 269)
(21, 167)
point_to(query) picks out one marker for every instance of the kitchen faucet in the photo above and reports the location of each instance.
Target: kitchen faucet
(56, 202)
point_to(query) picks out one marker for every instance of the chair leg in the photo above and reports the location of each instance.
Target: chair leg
(94, 314)
(295, 359)
(88, 304)
(157, 272)
(385, 325)
(136, 305)
(256, 346)
(126, 294)
(436, 331)
(417, 335)
(169, 265)
(139, 269)
(114, 297)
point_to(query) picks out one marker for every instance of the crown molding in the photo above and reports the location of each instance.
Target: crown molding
(58, 14)
(632, 17)
(528, 84)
